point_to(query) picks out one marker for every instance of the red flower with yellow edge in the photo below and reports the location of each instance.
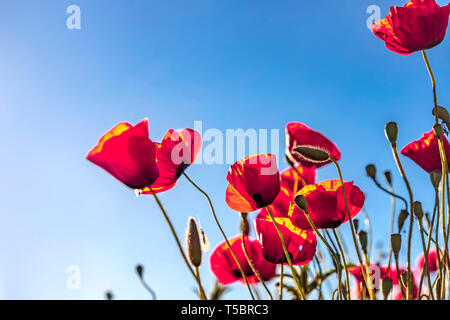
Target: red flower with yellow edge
(224, 267)
(291, 180)
(326, 205)
(175, 153)
(425, 151)
(298, 134)
(419, 25)
(254, 183)
(301, 244)
(127, 153)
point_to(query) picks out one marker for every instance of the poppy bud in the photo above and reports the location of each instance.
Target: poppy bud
(396, 243)
(362, 235)
(418, 210)
(193, 243)
(437, 128)
(388, 177)
(109, 295)
(371, 171)
(300, 201)
(386, 285)
(401, 219)
(313, 154)
(356, 223)
(391, 132)
(140, 270)
(442, 114)
(436, 177)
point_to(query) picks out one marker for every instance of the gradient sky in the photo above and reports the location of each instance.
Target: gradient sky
(231, 64)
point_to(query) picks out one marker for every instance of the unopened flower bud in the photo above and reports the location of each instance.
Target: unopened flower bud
(244, 225)
(140, 270)
(418, 212)
(356, 223)
(300, 201)
(388, 177)
(396, 243)
(401, 219)
(313, 154)
(362, 235)
(386, 285)
(109, 295)
(391, 132)
(371, 171)
(193, 243)
(442, 114)
(435, 177)
(437, 128)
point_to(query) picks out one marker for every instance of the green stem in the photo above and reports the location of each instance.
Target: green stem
(352, 227)
(411, 225)
(281, 281)
(347, 281)
(200, 287)
(223, 233)
(286, 253)
(251, 264)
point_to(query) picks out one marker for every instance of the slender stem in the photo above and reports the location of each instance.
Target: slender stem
(251, 264)
(391, 193)
(347, 281)
(433, 83)
(172, 229)
(443, 187)
(427, 250)
(286, 253)
(411, 225)
(148, 288)
(352, 227)
(325, 242)
(399, 278)
(223, 233)
(281, 281)
(391, 226)
(200, 287)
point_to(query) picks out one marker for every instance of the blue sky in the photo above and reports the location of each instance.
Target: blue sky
(231, 64)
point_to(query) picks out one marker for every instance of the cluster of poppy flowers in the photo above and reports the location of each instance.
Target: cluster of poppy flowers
(286, 232)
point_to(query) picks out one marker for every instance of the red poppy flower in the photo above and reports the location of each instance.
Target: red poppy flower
(254, 183)
(298, 134)
(433, 262)
(175, 153)
(291, 180)
(127, 153)
(419, 25)
(392, 274)
(301, 244)
(224, 266)
(376, 273)
(425, 151)
(326, 206)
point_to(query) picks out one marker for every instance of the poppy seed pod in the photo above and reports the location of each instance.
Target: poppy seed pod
(418, 211)
(362, 236)
(436, 177)
(193, 243)
(386, 285)
(313, 154)
(437, 128)
(391, 132)
(300, 201)
(401, 219)
(388, 177)
(371, 171)
(396, 243)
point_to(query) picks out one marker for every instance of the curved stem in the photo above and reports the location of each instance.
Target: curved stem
(286, 253)
(200, 287)
(352, 227)
(411, 225)
(223, 233)
(391, 193)
(391, 226)
(251, 264)
(433, 83)
(172, 229)
(347, 281)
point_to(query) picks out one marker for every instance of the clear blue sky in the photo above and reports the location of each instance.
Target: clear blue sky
(231, 64)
